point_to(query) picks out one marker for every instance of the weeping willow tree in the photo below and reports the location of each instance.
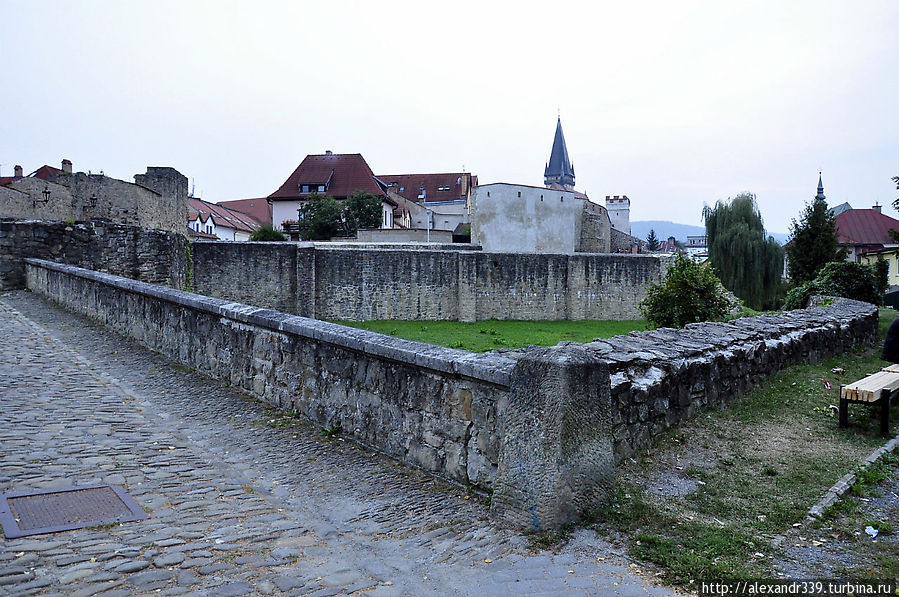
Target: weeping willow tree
(748, 264)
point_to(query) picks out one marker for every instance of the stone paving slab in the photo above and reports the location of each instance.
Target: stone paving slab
(243, 500)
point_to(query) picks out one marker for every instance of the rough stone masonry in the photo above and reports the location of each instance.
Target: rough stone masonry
(540, 427)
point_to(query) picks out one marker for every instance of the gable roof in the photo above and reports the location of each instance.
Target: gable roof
(341, 173)
(258, 208)
(864, 227)
(221, 216)
(46, 172)
(437, 187)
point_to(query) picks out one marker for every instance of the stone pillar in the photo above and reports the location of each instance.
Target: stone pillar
(305, 299)
(557, 453)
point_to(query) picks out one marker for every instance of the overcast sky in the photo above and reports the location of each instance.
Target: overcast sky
(675, 104)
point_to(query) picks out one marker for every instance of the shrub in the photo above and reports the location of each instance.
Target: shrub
(839, 278)
(267, 232)
(689, 293)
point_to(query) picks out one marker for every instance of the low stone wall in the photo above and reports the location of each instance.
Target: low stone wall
(534, 429)
(662, 377)
(149, 255)
(540, 427)
(352, 283)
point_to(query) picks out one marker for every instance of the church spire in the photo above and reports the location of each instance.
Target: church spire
(559, 169)
(820, 196)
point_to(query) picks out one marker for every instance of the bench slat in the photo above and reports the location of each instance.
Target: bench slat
(869, 388)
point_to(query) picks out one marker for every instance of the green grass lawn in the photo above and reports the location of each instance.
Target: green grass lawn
(481, 336)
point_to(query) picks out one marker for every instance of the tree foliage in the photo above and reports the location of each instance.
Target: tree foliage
(267, 232)
(840, 278)
(749, 264)
(813, 243)
(689, 293)
(361, 210)
(896, 202)
(652, 242)
(322, 217)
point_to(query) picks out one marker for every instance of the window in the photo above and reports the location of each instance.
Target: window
(443, 188)
(321, 188)
(305, 188)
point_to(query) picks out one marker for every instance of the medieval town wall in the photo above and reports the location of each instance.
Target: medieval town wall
(353, 283)
(150, 255)
(158, 202)
(540, 427)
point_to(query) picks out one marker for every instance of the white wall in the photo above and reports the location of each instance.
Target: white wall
(518, 218)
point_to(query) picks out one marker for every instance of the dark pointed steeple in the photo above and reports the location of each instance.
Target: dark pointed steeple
(820, 196)
(559, 169)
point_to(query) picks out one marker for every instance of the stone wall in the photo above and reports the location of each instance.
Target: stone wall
(450, 412)
(149, 255)
(352, 283)
(662, 377)
(524, 219)
(541, 427)
(158, 202)
(621, 242)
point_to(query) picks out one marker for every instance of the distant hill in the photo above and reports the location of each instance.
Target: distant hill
(680, 231)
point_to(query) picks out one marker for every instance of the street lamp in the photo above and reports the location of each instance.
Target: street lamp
(46, 194)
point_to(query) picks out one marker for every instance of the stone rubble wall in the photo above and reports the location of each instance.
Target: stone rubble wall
(158, 200)
(150, 255)
(470, 418)
(662, 377)
(358, 284)
(541, 426)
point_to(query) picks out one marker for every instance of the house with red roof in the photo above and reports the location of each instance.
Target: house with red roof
(861, 231)
(216, 222)
(445, 199)
(329, 174)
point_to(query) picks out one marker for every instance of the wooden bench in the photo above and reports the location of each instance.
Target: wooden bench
(879, 387)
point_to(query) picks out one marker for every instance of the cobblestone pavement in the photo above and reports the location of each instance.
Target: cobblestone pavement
(243, 499)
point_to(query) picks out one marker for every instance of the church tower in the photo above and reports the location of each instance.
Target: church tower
(559, 169)
(820, 196)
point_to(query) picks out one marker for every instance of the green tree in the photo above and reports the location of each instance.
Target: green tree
(361, 210)
(320, 217)
(267, 232)
(652, 241)
(840, 278)
(813, 243)
(748, 264)
(689, 293)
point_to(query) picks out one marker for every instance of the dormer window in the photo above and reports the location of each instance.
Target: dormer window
(422, 193)
(305, 188)
(443, 188)
(321, 188)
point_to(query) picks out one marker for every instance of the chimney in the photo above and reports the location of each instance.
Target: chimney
(18, 171)
(328, 152)
(67, 166)
(876, 208)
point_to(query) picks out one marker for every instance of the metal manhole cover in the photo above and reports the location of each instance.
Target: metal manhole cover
(39, 512)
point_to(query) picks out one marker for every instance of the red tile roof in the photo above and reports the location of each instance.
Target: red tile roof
(221, 216)
(342, 173)
(259, 208)
(46, 172)
(865, 227)
(435, 186)
(5, 180)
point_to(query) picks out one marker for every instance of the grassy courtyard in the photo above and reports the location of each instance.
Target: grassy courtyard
(481, 336)
(726, 494)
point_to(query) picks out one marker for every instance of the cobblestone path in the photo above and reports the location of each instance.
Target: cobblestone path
(243, 500)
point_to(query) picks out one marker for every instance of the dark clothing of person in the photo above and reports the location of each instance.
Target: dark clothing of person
(891, 344)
